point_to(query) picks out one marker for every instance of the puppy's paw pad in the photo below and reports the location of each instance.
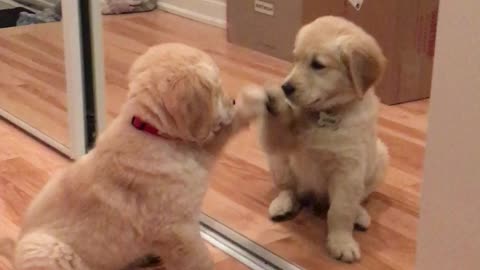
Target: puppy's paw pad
(343, 248)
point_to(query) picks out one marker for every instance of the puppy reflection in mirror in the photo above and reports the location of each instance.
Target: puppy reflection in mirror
(320, 131)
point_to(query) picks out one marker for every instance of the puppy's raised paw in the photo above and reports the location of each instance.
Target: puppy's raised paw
(250, 103)
(276, 102)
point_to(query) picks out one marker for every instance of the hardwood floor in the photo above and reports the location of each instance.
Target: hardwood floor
(241, 188)
(32, 80)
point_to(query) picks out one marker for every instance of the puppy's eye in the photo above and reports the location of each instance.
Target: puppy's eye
(316, 65)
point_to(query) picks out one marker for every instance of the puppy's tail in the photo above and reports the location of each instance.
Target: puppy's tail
(7, 248)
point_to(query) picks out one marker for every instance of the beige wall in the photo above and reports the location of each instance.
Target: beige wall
(449, 235)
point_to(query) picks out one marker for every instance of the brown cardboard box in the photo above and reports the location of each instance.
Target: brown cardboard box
(404, 28)
(272, 34)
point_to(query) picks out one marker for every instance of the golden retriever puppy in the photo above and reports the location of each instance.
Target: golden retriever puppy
(136, 197)
(321, 139)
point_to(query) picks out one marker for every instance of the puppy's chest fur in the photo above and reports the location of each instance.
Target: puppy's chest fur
(171, 199)
(322, 149)
(314, 159)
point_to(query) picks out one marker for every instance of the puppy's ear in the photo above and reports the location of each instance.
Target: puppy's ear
(188, 102)
(365, 62)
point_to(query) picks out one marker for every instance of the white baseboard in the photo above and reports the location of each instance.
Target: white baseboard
(211, 12)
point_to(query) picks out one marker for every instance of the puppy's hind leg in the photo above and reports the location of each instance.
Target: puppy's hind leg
(39, 251)
(363, 220)
(285, 205)
(184, 249)
(378, 175)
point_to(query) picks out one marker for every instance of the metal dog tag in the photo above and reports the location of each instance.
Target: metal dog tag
(326, 120)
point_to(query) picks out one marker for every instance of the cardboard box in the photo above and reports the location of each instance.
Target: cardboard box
(405, 29)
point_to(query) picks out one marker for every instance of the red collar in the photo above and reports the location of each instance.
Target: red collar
(144, 126)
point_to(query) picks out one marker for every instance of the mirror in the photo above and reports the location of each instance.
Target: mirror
(32, 67)
(249, 52)
(318, 190)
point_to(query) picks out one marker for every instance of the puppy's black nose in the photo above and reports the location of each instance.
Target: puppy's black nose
(288, 88)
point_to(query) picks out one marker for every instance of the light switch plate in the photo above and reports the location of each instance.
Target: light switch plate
(264, 7)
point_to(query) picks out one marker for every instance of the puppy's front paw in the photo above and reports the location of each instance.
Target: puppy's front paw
(271, 105)
(250, 103)
(283, 207)
(343, 247)
(276, 103)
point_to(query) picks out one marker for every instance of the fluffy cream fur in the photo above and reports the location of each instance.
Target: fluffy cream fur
(322, 140)
(137, 194)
